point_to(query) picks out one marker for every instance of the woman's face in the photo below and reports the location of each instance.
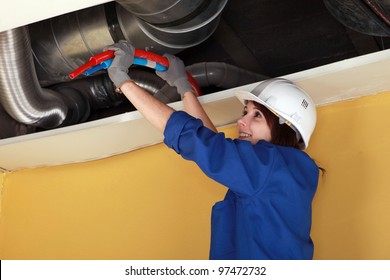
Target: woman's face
(252, 126)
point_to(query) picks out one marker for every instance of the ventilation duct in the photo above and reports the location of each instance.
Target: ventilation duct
(36, 60)
(365, 16)
(157, 26)
(165, 12)
(21, 95)
(10, 127)
(222, 75)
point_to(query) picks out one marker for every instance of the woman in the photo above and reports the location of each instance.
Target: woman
(266, 213)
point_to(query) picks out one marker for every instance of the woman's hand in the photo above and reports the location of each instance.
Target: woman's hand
(176, 75)
(124, 58)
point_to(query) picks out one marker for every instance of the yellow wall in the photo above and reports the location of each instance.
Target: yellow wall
(352, 205)
(1, 191)
(147, 204)
(151, 204)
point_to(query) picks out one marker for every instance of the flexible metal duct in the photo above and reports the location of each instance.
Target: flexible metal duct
(21, 94)
(10, 128)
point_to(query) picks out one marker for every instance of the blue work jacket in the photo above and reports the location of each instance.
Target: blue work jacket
(266, 213)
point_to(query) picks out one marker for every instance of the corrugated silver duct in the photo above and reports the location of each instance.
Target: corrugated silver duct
(10, 127)
(64, 43)
(21, 94)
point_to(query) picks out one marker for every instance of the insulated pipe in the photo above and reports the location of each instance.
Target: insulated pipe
(222, 75)
(21, 95)
(154, 85)
(100, 91)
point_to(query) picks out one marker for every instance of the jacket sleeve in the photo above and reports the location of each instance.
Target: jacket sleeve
(233, 163)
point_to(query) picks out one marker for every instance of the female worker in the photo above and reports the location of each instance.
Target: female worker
(266, 213)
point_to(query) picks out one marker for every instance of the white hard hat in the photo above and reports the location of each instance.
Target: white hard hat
(290, 103)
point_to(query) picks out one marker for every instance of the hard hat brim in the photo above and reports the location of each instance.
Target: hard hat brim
(245, 96)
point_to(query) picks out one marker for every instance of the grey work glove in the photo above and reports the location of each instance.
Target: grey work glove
(176, 75)
(124, 58)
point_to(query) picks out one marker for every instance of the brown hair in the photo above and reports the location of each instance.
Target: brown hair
(281, 134)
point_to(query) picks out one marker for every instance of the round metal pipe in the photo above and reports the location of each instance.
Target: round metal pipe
(222, 75)
(69, 40)
(21, 95)
(161, 12)
(64, 43)
(172, 38)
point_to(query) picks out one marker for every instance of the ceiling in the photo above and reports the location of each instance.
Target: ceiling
(277, 38)
(273, 38)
